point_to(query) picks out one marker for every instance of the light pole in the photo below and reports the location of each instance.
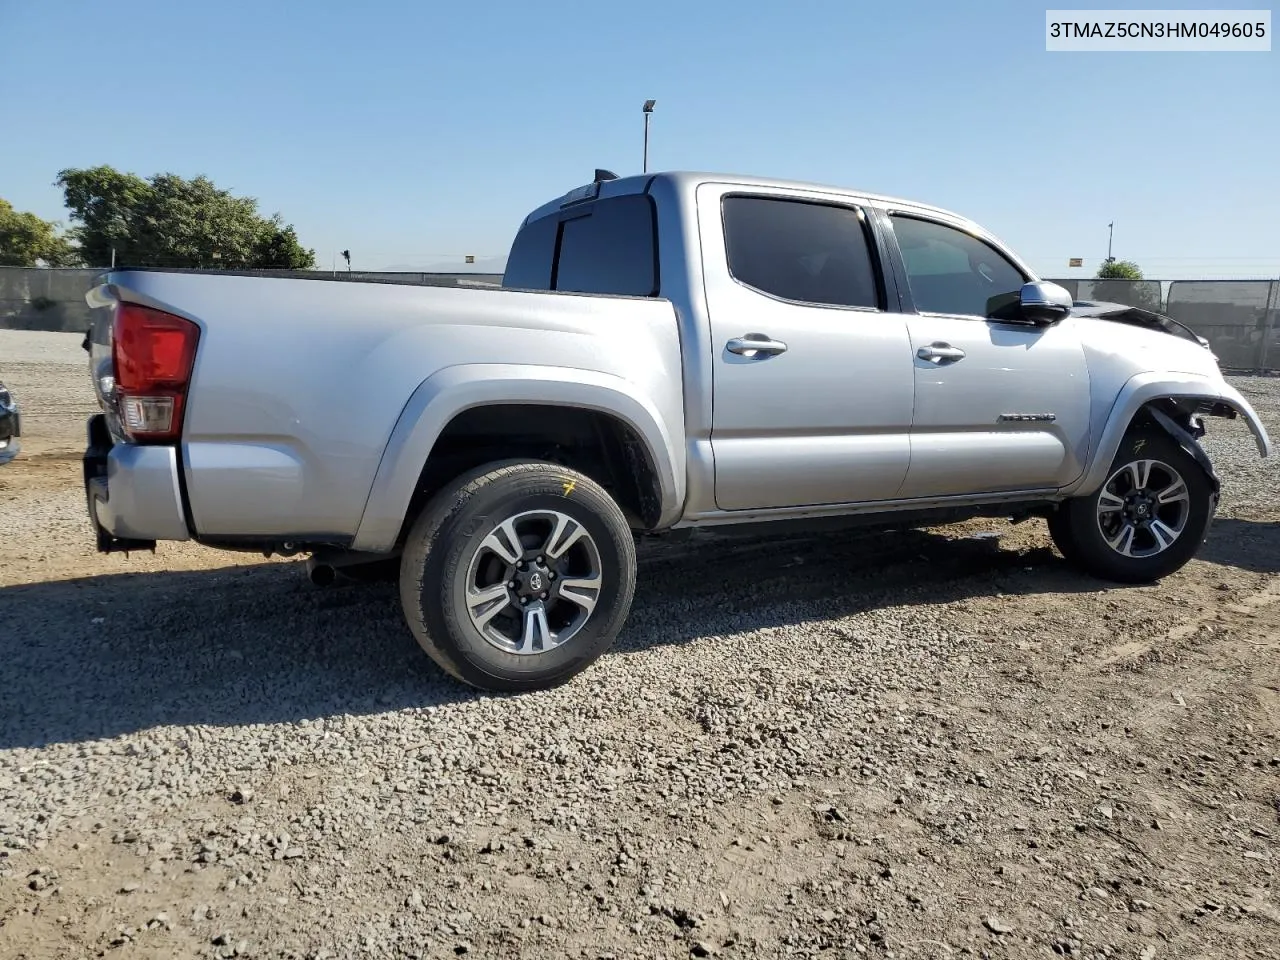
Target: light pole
(1111, 229)
(648, 111)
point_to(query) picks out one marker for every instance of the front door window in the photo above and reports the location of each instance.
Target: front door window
(951, 272)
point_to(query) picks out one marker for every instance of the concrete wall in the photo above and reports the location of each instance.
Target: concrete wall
(33, 299)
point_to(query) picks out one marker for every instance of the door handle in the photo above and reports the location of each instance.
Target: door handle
(753, 344)
(939, 352)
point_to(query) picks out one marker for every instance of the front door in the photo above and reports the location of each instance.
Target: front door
(812, 383)
(999, 406)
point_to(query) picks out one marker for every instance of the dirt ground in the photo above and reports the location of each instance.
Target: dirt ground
(932, 743)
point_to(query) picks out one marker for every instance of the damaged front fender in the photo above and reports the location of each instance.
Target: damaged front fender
(1144, 396)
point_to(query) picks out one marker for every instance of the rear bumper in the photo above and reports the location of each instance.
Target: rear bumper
(132, 492)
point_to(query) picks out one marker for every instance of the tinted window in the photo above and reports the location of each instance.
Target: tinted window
(951, 272)
(801, 251)
(611, 250)
(529, 262)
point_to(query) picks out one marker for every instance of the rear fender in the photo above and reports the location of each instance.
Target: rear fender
(1142, 396)
(450, 391)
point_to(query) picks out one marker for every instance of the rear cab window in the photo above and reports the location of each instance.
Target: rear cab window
(532, 256)
(607, 246)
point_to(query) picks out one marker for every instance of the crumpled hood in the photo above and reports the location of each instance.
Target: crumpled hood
(1142, 340)
(1133, 316)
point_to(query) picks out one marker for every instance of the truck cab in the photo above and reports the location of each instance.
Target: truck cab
(846, 350)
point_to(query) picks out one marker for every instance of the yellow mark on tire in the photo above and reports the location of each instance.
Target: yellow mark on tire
(568, 486)
(1139, 444)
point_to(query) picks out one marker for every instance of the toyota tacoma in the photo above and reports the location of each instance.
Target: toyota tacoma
(667, 352)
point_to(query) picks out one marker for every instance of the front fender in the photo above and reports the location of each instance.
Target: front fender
(1143, 389)
(450, 391)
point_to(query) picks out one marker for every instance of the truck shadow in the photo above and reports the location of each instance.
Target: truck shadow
(103, 656)
(1252, 545)
(109, 655)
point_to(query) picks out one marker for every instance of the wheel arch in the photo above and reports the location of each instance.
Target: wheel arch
(453, 395)
(1172, 405)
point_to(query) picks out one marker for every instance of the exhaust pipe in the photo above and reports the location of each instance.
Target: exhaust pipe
(321, 574)
(324, 567)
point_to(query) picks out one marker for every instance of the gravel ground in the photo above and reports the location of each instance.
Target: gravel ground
(929, 744)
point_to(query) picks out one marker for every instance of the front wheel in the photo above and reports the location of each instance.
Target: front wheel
(518, 576)
(1146, 520)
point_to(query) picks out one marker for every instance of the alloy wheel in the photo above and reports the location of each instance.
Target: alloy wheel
(534, 582)
(1143, 508)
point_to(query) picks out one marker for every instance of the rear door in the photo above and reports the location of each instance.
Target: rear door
(999, 406)
(812, 375)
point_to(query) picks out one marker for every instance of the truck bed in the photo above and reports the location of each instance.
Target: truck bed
(298, 385)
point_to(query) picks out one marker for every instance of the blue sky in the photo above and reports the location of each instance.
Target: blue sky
(414, 132)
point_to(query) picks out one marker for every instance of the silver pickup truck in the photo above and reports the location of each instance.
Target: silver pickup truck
(669, 351)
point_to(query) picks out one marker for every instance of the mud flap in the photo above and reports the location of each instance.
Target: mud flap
(1193, 449)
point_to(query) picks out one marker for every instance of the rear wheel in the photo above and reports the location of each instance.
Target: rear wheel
(519, 576)
(1147, 519)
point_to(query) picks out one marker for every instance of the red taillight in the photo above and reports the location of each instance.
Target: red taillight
(153, 353)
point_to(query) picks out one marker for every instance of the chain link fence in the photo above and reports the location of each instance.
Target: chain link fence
(1147, 294)
(1239, 318)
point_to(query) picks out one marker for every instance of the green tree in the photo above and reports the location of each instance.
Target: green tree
(28, 241)
(1120, 281)
(168, 221)
(103, 204)
(1119, 270)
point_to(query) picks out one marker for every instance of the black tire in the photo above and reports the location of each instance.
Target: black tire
(1077, 527)
(1060, 532)
(448, 541)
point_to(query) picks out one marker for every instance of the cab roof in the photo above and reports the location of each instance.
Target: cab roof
(688, 180)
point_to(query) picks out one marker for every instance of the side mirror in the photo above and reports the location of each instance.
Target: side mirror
(1044, 302)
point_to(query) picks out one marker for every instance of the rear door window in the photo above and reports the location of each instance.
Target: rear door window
(809, 252)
